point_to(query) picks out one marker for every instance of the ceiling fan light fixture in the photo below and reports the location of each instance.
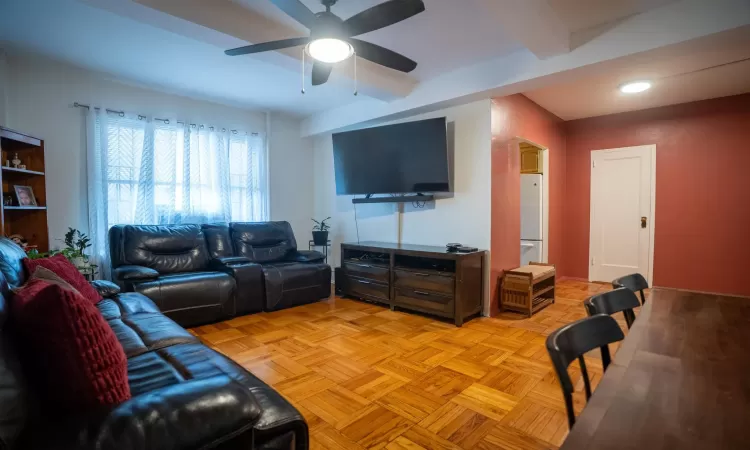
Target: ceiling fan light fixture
(635, 87)
(330, 50)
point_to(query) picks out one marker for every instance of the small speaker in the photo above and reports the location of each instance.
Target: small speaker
(338, 276)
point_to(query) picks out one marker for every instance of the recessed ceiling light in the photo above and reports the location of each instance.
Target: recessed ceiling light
(637, 86)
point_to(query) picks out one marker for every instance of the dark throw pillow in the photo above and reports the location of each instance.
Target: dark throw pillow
(67, 271)
(70, 348)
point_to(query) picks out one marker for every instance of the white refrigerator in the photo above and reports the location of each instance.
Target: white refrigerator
(532, 194)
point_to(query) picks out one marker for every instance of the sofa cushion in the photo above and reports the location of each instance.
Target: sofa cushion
(65, 270)
(164, 248)
(139, 325)
(74, 355)
(192, 298)
(262, 241)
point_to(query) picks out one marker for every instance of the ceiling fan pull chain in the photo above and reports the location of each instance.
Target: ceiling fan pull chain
(356, 91)
(303, 70)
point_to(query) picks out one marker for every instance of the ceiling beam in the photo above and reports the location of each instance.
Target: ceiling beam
(227, 24)
(534, 24)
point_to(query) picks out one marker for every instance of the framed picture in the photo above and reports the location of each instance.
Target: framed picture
(25, 195)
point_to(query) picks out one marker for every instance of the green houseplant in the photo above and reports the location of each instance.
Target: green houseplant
(320, 231)
(76, 244)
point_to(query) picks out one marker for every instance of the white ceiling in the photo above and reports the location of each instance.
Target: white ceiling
(74, 32)
(579, 15)
(466, 49)
(718, 66)
(447, 35)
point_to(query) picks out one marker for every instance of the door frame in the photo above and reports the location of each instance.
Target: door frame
(652, 148)
(545, 193)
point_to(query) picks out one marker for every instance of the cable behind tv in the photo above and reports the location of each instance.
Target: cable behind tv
(356, 225)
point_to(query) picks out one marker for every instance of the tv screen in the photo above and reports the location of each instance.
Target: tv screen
(402, 158)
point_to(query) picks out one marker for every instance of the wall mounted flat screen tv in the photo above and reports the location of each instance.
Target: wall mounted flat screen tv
(408, 157)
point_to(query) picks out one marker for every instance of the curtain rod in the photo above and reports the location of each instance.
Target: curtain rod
(166, 121)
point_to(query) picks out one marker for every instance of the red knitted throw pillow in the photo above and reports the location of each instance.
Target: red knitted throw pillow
(65, 270)
(71, 349)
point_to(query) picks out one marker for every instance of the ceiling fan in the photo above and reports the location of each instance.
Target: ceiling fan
(331, 40)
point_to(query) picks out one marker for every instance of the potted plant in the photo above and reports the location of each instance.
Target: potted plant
(76, 244)
(320, 232)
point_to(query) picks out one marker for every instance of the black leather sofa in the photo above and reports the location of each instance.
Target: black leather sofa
(184, 395)
(206, 273)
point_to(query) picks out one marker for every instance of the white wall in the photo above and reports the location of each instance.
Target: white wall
(3, 86)
(40, 95)
(464, 218)
(291, 180)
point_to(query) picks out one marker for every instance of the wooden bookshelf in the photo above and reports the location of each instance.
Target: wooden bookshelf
(29, 221)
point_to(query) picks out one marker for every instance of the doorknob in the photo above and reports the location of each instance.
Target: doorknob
(643, 222)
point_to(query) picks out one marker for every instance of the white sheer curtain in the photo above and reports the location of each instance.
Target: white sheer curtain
(157, 172)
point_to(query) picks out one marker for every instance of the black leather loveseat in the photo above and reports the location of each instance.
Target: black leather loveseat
(206, 273)
(184, 395)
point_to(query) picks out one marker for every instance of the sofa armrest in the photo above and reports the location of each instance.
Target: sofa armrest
(192, 414)
(106, 288)
(249, 278)
(228, 261)
(305, 256)
(135, 273)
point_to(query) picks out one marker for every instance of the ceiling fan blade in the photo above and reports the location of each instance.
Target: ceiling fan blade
(297, 11)
(383, 56)
(382, 15)
(266, 46)
(320, 72)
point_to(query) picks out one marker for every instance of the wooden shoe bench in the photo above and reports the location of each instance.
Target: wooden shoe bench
(528, 289)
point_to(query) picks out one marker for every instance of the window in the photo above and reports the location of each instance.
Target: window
(161, 173)
(124, 147)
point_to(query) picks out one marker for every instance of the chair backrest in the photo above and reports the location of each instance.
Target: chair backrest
(635, 282)
(164, 248)
(571, 342)
(619, 300)
(262, 242)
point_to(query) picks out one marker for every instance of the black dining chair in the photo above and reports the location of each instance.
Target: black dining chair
(573, 341)
(635, 282)
(620, 300)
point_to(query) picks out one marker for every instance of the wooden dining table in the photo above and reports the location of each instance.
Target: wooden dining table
(680, 379)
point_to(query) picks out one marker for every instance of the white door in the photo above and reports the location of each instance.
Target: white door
(531, 206)
(531, 251)
(622, 212)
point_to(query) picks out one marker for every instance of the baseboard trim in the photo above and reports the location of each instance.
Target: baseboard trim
(567, 278)
(703, 292)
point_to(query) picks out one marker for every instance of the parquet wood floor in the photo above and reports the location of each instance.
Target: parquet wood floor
(367, 377)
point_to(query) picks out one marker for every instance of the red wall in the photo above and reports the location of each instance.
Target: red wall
(513, 117)
(702, 223)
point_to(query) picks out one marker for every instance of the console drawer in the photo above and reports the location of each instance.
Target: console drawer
(370, 271)
(429, 302)
(359, 287)
(426, 281)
